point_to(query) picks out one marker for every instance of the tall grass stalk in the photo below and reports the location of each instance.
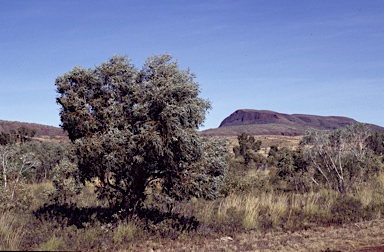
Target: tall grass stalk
(11, 232)
(251, 212)
(255, 208)
(277, 205)
(365, 195)
(204, 210)
(309, 203)
(126, 232)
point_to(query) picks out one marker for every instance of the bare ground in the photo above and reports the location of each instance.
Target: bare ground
(363, 236)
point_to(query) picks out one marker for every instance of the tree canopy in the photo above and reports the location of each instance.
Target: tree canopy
(133, 127)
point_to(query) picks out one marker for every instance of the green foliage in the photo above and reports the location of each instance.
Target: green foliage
(23, 134)
(205, 177)
(248, 149)
(66, 181)
(242, 180)
(290, 168)
(246, 142)
(66, 227)
(376, 142)
(131, 128)
(16, 166)
(48, 155)
(31, 161)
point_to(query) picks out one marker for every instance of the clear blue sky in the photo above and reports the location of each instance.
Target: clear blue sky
(309, 57)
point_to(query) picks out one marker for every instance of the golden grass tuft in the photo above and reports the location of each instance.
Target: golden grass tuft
(365, 195)
(53, 244)
(254, 209)
(126, 232)
(11, 232)
(380, 180)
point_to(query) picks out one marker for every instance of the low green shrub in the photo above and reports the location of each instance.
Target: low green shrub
(346, 209)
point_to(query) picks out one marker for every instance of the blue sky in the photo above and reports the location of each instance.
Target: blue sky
(306, 57)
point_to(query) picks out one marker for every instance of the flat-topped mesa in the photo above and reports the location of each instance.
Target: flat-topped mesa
(266, 122)
(251, 116)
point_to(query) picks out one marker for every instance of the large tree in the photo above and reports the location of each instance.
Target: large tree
(131, 128)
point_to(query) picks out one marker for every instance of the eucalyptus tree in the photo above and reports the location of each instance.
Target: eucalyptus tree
(342, 158)
(132, 127)
(15, 164)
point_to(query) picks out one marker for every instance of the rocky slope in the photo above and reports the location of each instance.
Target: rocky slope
(265, 122)
(41, 130)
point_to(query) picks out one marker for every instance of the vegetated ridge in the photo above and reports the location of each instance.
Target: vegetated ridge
(41, 130)
(266, 122)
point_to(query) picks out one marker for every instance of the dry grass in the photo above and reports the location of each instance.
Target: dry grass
(271, 210)
(126, 233)
(258, 220)
(264, 221)
(352, 237)
(57, 139)
(250, 208)
(41, 193)
(53, 244)
(11, 232)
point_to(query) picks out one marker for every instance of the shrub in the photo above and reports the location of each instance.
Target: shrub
(66, 182)
(290, 169)
(346, 209)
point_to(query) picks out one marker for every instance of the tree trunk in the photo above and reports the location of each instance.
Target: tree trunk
(5, 164)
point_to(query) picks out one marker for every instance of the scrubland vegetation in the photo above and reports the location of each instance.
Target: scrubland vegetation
(43, 208)
(138, 176)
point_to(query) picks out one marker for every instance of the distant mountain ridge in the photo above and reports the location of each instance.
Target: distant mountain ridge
(266, 122)
(41, 130)
(250, 121)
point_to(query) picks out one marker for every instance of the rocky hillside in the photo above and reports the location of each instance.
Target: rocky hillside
(41, 130)
(265, 122)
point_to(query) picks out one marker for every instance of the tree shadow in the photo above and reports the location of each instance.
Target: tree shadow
(175, 221)
(70, 214)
